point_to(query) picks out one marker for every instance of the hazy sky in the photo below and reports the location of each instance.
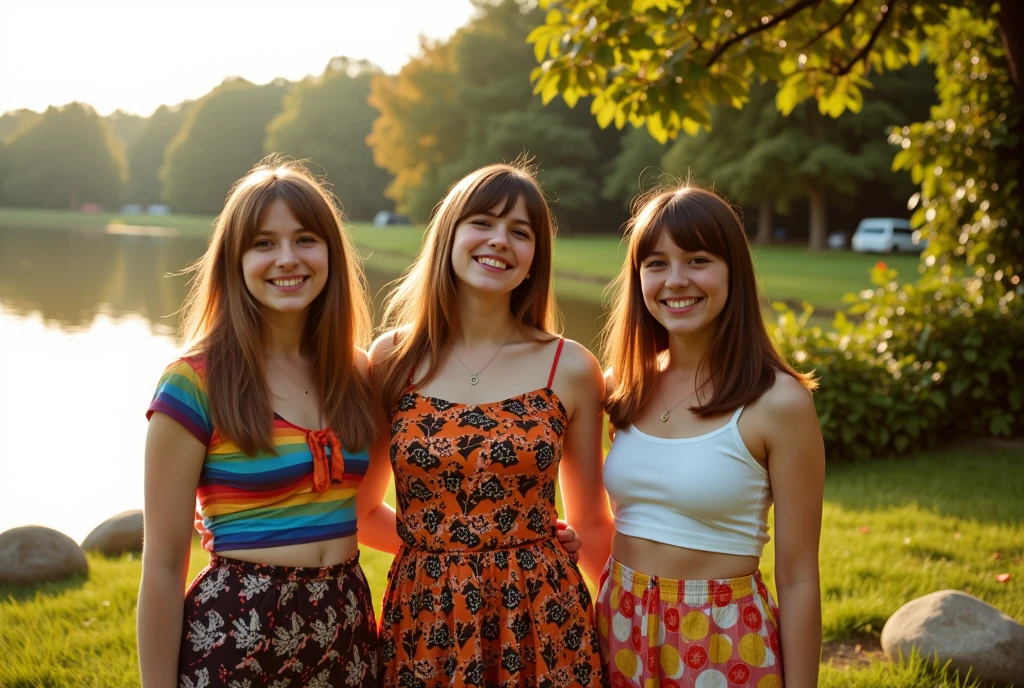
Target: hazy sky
(119, 54)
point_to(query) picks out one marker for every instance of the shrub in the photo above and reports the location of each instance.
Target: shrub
(906, 367)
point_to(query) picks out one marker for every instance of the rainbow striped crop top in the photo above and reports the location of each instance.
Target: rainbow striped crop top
(304, 492)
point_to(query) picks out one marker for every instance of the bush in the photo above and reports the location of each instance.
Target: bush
(905, 368)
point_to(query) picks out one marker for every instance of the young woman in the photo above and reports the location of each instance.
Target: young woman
(711, 427)
(261, 431)
(486, 407)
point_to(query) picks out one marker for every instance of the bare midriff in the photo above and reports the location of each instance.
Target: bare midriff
(679, 563)
(307, 554)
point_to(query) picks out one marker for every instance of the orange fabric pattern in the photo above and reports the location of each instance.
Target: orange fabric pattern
(481, 594)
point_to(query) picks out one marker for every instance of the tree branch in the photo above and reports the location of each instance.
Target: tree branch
(871, 41)
(834, 24)
(758, 28)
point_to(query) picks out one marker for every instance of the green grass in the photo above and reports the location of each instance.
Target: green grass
(583, 264)
(82, 633)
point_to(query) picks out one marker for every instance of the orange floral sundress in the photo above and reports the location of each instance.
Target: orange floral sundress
(481, 594)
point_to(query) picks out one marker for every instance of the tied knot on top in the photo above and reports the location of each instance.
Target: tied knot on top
(328, 461)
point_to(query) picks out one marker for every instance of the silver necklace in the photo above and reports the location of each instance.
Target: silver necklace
(475, 377)
(664, 416)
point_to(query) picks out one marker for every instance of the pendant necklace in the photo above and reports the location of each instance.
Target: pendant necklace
(664, 416)
(474, 378)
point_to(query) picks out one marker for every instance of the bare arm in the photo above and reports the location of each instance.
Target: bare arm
(580, 474)
(377, 519)
(174, 459)
(796, 466)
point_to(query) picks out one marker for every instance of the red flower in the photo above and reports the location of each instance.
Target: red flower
(722, 594)
(652, 660)
(619, 681)
(880, 265)
(739, 674)
(752, 617)
(696, 657)
(626, 605)
(672, 620)
(636, 638)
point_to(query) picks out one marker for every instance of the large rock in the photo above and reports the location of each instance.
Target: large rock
(121, 533)
(961, 629)
(31, 554)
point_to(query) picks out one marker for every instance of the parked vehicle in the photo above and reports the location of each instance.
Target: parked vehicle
(885, 235)
(383, 218)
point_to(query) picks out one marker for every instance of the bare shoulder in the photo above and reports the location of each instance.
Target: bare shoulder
(787, 397)
(579, 365)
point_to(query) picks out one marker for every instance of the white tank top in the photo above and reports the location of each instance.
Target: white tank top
(705, 493)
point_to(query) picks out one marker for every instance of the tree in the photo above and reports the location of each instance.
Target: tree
(146, 152)
(665, 63)
(759, 157)
(68, 157)
(16, 121)
(327, 119)
(222, 138)
(125, 126)
(468, 102)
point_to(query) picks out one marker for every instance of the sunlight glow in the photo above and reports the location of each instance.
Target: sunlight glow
(137, 56)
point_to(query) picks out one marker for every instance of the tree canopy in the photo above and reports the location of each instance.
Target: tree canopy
(666, 63)
(327, 120)
(66, 158)
(222, 139)
(467, 102)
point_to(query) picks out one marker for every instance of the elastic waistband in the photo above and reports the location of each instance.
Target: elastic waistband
(290, 573)
(465, 551)
(694, 593)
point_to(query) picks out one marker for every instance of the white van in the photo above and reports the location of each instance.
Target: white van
(885, 235)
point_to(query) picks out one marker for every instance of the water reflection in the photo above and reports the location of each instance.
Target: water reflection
(87, 324)
(69, 277)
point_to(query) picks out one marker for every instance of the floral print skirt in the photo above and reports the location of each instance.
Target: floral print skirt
(519, 617)
(664, 633)
(250, 625)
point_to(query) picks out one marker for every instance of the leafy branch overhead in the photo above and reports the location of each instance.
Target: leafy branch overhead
(667, 63)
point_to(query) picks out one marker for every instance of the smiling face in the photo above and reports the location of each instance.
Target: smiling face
(685, 291)
(286, 266)
(492, 253)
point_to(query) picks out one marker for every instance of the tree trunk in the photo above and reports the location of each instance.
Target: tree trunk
(1010, 21)
(765, 220)
(818, 216)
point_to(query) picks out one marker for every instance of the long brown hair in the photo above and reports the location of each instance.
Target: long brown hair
(221, 320)
(422, 307)
(742, 360)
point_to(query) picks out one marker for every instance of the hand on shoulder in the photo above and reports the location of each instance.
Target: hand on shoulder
(382, 345)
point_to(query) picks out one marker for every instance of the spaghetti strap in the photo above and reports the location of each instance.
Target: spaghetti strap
(554, 363)
(736, 416)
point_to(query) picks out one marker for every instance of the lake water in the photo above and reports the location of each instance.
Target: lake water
(87, 324)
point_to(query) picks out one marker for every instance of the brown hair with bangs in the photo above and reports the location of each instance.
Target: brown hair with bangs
(742, 360)
(422, 306)
(222, 322)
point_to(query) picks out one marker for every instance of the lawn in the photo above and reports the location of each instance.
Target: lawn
(583, 264)
(892, 530)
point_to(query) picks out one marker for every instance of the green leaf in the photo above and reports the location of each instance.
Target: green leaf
(1000, 426)
(656, 128)
(1016, 398)
(642, 41)
(790, 95)
(959, 385)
